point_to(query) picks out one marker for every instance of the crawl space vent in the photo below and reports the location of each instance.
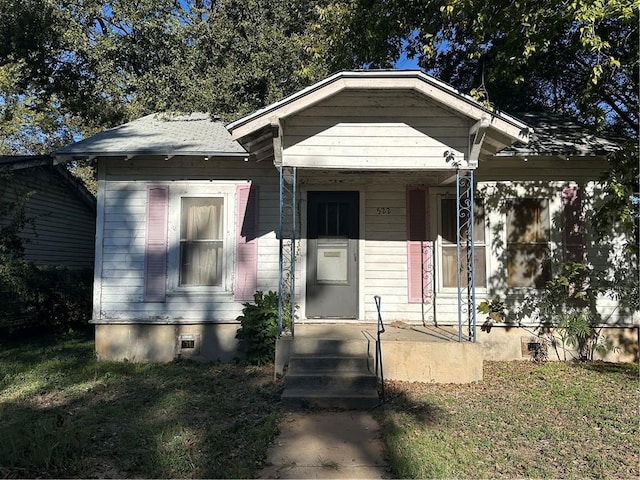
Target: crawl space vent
(189, 345)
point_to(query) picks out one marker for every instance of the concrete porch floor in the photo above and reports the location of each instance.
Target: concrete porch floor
(409, 353)
(395, 331)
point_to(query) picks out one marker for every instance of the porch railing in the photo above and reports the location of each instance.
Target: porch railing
(379, 366)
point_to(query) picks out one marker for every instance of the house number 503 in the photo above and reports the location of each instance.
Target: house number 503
(383, 211)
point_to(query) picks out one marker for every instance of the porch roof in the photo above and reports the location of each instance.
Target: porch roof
(380, 80)
(158, 134)
(491, 131)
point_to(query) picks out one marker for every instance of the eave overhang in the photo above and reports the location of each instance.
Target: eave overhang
(504, 129)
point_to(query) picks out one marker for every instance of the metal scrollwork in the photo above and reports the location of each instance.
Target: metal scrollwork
(287, 235)
(465, 254)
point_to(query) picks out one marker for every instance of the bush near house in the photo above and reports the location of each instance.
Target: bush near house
(259, 327)
(43, 298)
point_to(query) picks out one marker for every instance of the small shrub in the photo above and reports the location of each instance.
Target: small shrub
(495, 312)
(259, 327)
(577, 330)
(43, 298)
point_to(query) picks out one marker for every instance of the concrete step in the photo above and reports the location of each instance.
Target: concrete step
(329, 363)
(344, 380)
(331, 346)
(330, 373)
(331, 398)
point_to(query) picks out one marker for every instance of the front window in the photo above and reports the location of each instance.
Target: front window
(449, 262)
(201, 241)
(528, 243)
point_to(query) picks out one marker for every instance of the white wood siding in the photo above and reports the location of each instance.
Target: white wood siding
(383, 242)
(62, 231)
(360, 131)
(121, 280)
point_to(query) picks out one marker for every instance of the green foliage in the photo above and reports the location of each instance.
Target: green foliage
(617, 214)
(46, 298)
(578, 57)
(568, 304)
(259, 327)
(495, 312)
(70, 68)
(577, 330)
(43, 298)
(14, 218)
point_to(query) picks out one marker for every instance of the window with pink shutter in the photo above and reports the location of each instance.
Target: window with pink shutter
(419, 247)
(245, 278)
(155, 266)
(201, 241)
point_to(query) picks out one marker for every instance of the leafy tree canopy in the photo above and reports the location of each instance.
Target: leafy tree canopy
(576, 56)
(70, 67)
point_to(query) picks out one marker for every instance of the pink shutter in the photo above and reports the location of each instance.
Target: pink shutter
(419, 248)
(246, 267)
(573, 224)
(155, 265)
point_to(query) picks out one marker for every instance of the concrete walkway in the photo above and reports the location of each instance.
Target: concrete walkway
(344, 444)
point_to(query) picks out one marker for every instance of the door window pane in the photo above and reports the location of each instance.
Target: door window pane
(201, 241)
(333, 219)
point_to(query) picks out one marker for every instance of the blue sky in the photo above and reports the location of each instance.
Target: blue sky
(405, 63)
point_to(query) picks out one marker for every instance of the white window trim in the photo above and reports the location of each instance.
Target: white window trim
(437, 195)
(552, 192)
(201, 189)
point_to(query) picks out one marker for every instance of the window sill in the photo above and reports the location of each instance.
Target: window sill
(198, 292)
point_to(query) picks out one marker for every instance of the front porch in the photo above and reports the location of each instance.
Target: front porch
(409, 353)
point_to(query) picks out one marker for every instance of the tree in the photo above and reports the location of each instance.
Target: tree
(578, 57)
(70, 67)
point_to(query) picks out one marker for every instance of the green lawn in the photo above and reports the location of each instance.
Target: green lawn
(63, 414)
(555, 420)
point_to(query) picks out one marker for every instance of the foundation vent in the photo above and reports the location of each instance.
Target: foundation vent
(189, 345)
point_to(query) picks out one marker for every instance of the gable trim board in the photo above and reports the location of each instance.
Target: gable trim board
(376, 81)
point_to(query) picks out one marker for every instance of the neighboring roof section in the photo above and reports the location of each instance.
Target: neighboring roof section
(558, 135)
(22, 162)
(158, 134)
(414, 80)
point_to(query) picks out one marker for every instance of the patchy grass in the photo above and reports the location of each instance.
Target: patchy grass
(555, 420)
(63, 414)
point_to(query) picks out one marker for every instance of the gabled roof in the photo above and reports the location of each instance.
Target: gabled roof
(23, 162)
(158, 134)
(559, 135)
(414, 80)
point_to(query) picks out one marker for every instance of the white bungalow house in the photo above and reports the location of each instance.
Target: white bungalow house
(361, 176)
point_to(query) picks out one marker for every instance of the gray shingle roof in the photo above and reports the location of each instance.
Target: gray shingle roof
(558, 135)
(159, 134)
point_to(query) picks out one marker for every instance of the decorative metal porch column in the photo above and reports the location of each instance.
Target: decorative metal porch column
(466, 253)
(287, 237)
